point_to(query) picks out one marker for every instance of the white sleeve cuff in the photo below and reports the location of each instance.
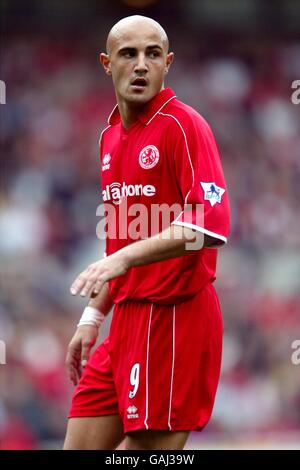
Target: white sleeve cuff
(200, 229)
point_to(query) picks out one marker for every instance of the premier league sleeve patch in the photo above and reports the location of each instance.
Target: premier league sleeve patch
(212, 193)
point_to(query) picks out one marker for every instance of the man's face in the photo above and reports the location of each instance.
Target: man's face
(138, 62)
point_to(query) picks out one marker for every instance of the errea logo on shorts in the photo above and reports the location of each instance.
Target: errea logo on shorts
(116, 191)
(132, 412)
(149, 157)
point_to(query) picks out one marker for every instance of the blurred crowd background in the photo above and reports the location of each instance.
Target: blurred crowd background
(235, 63)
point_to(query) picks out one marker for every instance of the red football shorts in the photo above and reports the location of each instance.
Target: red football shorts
(159, 368)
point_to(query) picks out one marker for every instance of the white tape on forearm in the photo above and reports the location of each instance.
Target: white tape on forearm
(91, 316)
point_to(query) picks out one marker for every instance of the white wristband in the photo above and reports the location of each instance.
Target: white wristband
(91, 316)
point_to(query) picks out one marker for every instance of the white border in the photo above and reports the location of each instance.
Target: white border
(109, 117)
(172, 372)
(172, 97)
(148, 122)
(200, 229)
(188, 151)
(147, 368)
(100, 139)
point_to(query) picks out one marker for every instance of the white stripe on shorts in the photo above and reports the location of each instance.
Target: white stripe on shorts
(172, 371)
(147, 366)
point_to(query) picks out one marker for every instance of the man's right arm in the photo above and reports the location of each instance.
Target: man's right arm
(85, 336)
(102, 301)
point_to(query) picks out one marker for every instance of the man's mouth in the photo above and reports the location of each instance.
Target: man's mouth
(139, 83)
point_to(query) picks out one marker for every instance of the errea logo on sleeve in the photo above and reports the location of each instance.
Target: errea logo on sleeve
(105, 162)
(212, 193)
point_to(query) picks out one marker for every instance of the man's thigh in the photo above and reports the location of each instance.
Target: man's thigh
(94, 433)
(156, 440)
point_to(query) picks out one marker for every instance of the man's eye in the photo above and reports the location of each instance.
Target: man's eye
(153, 54)
(128, 54)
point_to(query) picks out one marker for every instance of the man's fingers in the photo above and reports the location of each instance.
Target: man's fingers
(72, 368)
(85, 353)
(88, 286)
(77, 285)
(73, 365)
(93, 278)
(80, 281)
(98, 286)
(83, 284)
(74, 376)
(93, 285)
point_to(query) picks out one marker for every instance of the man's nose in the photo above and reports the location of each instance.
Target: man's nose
(141, 64)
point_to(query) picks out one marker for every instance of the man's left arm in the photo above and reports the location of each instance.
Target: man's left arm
(172, 242)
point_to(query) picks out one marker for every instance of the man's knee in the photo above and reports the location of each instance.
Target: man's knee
(156, 440)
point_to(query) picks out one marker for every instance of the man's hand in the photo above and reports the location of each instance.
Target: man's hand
(95, 275)
(79, 350)
(170, 243)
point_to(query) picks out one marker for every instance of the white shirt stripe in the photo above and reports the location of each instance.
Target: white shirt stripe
(102, 135)
(187, 149)
(185, 224)
(172, 97)
(109, 117)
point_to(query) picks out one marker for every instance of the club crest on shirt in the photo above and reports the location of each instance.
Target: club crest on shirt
(212, 193)
(149, 157)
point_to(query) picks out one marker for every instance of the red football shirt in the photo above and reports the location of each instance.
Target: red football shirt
(168, 157)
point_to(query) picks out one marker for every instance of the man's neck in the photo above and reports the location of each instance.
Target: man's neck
(129, 114)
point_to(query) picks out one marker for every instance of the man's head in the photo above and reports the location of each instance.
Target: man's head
(137, 58)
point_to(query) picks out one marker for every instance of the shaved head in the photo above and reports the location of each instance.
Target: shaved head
(137, 58)
(135, 23)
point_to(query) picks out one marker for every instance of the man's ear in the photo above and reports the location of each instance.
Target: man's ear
(169, 60)
(105, 61)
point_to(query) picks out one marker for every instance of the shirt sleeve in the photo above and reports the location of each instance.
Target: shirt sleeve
(200, 178)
